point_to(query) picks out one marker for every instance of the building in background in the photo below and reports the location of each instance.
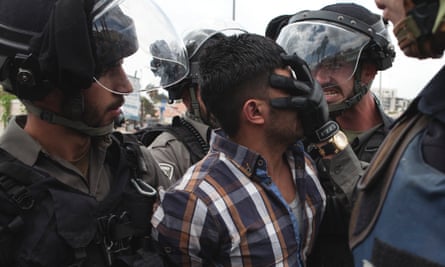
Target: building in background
(392, 105)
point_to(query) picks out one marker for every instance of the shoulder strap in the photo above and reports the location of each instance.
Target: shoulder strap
(192, 139)
(147, 135)
(129, 146)
(374, 185)
(15, 199)
(183, 131)
(14, 179)
(371, 145)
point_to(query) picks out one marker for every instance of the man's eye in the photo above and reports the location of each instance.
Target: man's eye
(333, 66)
(337, 66)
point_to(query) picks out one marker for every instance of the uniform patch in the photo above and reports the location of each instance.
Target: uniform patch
(168, 169)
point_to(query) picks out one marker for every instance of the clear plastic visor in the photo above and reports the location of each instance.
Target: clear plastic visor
(197, 35)
(136, 36)
(327, 48)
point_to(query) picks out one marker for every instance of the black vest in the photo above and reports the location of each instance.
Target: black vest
(44, 222)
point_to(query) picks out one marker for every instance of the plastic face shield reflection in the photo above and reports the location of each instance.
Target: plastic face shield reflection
(327, 48)
(201, 30)
(139, 33)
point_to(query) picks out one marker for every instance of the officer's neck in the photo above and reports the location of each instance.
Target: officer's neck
(362, 116)
(57, 140)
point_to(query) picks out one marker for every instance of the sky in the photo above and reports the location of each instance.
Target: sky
(407, 75)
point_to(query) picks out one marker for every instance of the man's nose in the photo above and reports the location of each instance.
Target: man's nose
(322, 75)
(123, 83)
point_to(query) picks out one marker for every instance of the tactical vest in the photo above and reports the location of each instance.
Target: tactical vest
(399, 215)
(366, 148)
(332, 245)
(44, 222)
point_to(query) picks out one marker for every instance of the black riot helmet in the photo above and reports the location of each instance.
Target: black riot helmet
(19, 24)
(81, 39)
(336, 35)
(195, 40)
(69, 44)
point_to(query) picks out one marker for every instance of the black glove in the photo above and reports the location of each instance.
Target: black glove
(307, 98)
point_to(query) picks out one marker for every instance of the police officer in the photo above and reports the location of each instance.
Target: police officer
(398, 217)
(72, 193)
(345, 45)
(187, 139)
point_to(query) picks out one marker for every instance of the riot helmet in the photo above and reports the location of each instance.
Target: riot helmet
(339, 37)
(195, 39)
(75, 42)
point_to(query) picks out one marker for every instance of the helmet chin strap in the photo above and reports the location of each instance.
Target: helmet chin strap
(53, 118)
(196, 111)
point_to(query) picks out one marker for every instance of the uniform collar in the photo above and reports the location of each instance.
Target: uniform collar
(246, 160)
(30, 149)
(14, 134)
(241, 156)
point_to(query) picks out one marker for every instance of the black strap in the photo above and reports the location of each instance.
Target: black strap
(192, 139)
(183, 131)
(16, 192)
(14, 179)
(374, 185)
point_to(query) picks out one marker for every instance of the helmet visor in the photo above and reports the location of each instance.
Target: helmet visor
(196, 37)
(137, 33)
(327, 48)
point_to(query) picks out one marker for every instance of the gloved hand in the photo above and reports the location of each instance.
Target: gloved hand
(307, 98)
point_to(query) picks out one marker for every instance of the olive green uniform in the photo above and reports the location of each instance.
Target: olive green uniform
(171, 154)
(97, 181)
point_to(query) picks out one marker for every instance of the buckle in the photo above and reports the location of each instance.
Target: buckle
(17, 193)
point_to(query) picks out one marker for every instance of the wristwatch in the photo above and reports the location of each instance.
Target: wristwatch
(334, 145)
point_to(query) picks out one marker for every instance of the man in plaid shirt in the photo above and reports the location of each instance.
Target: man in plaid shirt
(255, 199)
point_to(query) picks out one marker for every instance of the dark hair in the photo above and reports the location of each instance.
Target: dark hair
(234, 69)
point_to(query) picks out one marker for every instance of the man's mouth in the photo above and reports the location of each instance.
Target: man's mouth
(331, 95)
(330, 92)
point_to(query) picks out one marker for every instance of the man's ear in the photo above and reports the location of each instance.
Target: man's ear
(253, 111)
(369, 71)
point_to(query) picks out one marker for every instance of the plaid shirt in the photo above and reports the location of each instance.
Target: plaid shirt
(226, 211)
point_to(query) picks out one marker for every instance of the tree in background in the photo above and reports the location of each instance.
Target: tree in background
(156, 97)
(5, 103)
(147, 107)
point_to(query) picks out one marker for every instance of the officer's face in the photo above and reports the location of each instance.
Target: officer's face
(338, 85)
(336, 81)
(103, 106)
(393, 10)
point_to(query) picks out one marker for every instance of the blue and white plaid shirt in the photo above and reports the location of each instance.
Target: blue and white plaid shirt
(226, 211)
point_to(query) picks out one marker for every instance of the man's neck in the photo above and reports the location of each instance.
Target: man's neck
(277, 166)
(58, 140)
(362, 116)
(255, 140)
